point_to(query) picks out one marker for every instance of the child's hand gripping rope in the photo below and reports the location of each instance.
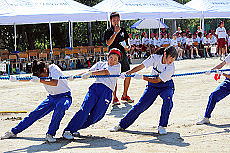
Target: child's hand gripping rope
(86, 75)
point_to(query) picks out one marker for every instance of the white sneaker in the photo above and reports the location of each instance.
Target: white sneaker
(198, 56)
(8, 134)
(192, 57)
(203, 121)
(67, 135)
(116, 128)
(162, 130)
(50, 138)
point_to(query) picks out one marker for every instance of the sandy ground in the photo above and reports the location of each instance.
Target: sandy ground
(190, 100)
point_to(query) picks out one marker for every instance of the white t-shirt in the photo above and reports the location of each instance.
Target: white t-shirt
(165, 41)
(62, 86)
(157, 42)
(151, 41)
(195, 39)
(228, 41)
(221, 32)
(145, 41)
(165, 71)
(173, 43)
(183, 40)
(200, 39)
(137, 41)
(189, 41)
(213, 40)
(131, 41)
(179, 39)
(206, 41)
(113, 70)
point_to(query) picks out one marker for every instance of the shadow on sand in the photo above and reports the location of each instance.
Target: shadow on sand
(45, 146)
(172, 138)
(119, 111)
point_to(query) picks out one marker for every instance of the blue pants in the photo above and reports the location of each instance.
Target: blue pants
(220, 92)
(59, 103)
(93, 108)
(147, 99)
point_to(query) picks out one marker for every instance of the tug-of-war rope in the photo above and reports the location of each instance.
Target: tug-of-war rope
(102, 76)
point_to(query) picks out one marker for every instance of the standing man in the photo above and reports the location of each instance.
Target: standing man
(117, 37)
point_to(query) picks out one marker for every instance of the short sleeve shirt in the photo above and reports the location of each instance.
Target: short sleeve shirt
(62, 86)
(157, 42)
(145, 41)
(121, 36)
(113, 70)
(165, 71)
(206, 41)
(221, 32)
(165, 41)
(189, 41)
(173, 43)
(213, 40)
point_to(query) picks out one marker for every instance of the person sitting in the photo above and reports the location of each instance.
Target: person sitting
(190, 47)
(207, 44)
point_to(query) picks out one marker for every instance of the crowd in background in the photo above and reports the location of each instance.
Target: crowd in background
(189, 45)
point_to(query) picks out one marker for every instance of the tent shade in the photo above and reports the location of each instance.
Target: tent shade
(149, 24)
(44, 11)
(211, 8)
(133, 9)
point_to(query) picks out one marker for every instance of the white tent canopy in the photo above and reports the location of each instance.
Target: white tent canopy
(133, 9)
(149, 24)
(211, 8)
(44, 11)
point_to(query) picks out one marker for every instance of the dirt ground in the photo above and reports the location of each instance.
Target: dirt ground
(190, 100)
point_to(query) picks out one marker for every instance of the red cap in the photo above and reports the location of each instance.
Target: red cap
(115, 51)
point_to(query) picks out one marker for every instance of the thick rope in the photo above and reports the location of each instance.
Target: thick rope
(105, 76)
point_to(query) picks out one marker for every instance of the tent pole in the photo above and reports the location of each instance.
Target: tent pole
(51, 44)
(15, 37)
(149, 33)
(107, 22)
(175, 27)
(90, 33)
(203, 22)
(159, 29)
(70, 34)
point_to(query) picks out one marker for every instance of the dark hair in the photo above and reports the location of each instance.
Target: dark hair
(38, 68)
(189, 35)
(114, 14)
(220, 23)
(199, 34)
(170, 51)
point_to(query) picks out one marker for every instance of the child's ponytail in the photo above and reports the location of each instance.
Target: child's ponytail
(160, 51)
(170, 51)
